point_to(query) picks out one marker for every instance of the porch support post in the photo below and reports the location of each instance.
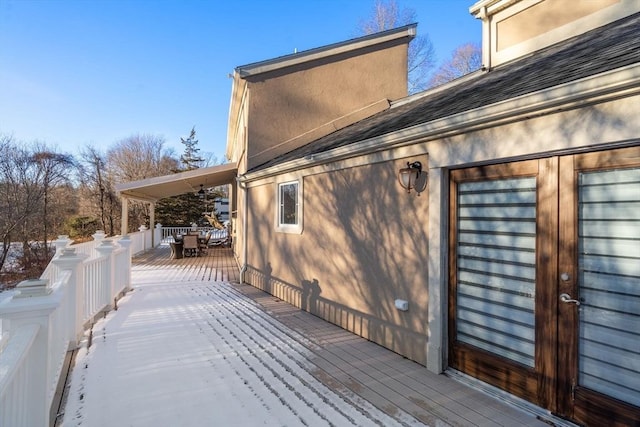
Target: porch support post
(124, 221)
(152, 223)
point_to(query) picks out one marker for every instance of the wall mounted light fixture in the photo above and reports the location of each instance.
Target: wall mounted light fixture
(409, 177)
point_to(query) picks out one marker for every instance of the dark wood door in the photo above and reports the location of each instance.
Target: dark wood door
(599, 267)
(544, 277)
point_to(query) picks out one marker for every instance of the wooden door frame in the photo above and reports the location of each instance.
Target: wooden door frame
(574, 402)
(536, 384)
(553, 383)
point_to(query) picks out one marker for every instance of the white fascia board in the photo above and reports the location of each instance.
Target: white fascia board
(490, 7)
(326, 51)
(238, 94)
(613, 84)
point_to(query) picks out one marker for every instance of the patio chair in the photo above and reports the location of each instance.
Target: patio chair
(190, 245)
(224, 241)
(203, 244)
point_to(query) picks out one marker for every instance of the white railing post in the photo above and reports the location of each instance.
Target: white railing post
(32, 307)
(143, 231)
(106, 249)
(98, 235)
(157, 236)
(61, 242)
(70, 260)
(125, 242)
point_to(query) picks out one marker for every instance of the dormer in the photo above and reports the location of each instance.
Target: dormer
(514, 28)
(280, 104)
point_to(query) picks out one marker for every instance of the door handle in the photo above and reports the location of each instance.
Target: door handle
(566, 298)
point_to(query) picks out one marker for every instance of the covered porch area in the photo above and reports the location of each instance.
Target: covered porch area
(151, 190)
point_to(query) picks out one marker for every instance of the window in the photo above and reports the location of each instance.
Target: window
(289, 208)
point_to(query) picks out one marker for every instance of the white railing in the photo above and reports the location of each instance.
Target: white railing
(37, 324)
(94, 300)
(15, 387)
(169, 232)
(47, 317)
(145, 239)
(122, 271)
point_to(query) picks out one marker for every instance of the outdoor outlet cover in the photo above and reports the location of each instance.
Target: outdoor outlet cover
(402, 305)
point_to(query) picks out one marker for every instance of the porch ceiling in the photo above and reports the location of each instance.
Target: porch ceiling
(154, 189)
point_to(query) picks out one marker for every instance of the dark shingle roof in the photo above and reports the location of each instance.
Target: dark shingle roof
(603, 49)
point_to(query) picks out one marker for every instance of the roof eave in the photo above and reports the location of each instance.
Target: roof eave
(407, 31)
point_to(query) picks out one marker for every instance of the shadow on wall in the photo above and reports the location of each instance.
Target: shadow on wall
(307, 297)
(310, 295)
(369, 240)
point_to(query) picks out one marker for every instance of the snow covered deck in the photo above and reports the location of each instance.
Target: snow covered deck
(190, 346)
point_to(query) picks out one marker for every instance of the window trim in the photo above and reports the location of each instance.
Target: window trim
(289, 228)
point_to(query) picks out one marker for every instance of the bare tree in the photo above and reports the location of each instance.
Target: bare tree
(140, 157)
(387, 15)
(464, 60)
(21, 195)
(99, 189)
(52, 170)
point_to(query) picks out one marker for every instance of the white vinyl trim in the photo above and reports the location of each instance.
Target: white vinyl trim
(289, 207)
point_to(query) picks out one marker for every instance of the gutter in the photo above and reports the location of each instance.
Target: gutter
(245, 224)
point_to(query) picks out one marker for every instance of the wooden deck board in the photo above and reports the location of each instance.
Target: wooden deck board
(344, 361)
(386, 379)
(217, 264)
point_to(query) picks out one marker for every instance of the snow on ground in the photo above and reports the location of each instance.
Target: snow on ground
(200, 354)
(14, 252)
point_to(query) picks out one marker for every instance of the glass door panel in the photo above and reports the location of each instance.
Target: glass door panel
(496, 267)
(609, 283)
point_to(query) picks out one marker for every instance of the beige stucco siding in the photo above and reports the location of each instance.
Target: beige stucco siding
(602, 123)
(529, 25)
(363, 246)
(544, 17)
(284, 105)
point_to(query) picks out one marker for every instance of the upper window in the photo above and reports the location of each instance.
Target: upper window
(289, 208)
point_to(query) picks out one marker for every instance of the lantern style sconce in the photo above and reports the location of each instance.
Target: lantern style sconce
(201, 192)
(412, 177)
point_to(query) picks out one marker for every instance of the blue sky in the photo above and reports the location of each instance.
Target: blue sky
(79, 72)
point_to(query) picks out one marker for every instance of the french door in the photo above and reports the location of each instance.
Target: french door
(544, 282)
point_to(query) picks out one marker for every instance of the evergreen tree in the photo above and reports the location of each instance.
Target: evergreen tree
(180, 211)
(190, 159)
(184, 209)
